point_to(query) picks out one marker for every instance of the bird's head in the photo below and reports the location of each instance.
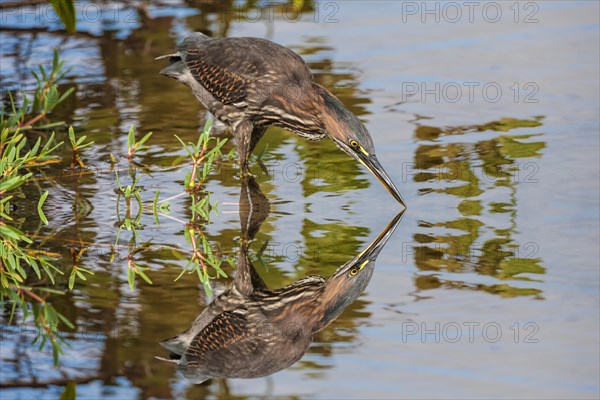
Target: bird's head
(351, 279)
(352, 137)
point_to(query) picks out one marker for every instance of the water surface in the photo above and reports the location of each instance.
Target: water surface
(489, 287)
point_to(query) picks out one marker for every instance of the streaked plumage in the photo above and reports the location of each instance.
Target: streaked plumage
(251, 331)
(251, 83)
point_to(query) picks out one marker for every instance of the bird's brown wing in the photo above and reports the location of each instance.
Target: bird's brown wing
(236, 346)
(228, 334)
(229, 68)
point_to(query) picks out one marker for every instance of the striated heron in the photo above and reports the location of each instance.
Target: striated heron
(251, 83)
(250, 331)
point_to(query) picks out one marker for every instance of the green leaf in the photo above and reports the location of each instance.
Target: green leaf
(144, 276)
(56, 352)
(66, 94)
(65, 321)
(13, 182)
(80, 140)
(184, 146)
(164, 207)
(65, 9)
(154, 206)
(80, 275)
(72, 136)
(131, 278)
(188, 180)
(39, 207)
(43, 72)
(131, 137)
(208, 125)
(51, 98)
(144, 139)
(69, 393)
(35, 267)
(207, 287)
(55, 59)
(9, 231)
(35, 147)
(72, 280)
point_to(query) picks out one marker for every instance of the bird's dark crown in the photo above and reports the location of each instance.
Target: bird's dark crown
(342, 125)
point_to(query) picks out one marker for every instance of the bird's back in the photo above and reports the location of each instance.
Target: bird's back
(260, 335)
(232, 68)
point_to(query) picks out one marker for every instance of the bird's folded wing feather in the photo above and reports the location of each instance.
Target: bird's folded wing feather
(222, 72)
(228, 335)
(229, 68)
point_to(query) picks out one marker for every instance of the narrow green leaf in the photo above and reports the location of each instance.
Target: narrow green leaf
(72, 136)
(144, 276)
(66, 94)
(66, 321)
(70, 392)
(81, 139)
(40, 206)
(65, 9)
(9, 231)
(185, 147)
(35, 147)
(131, 278)
(131, 137)
(144, 139)
(72, 280)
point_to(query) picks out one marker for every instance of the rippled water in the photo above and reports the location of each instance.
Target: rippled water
(487, 122)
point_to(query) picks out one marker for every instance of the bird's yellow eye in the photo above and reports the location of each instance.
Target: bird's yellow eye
(354, 144)
(353, 271)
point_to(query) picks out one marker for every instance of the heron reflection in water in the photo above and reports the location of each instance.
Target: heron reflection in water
(251, 331)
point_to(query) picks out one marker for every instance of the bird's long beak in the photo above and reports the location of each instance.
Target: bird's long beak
(374, 248)
(374, 166)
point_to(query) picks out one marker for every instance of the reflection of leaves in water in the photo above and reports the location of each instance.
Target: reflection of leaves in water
(426, 282)
(470, 170)
(328, 169)
(512, 267)
(503, 125)
(329, 245)
(470, 207)
(517, 149)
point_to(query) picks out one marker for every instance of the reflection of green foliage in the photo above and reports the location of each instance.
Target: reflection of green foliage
(470, 207)
(483, 166)
(325, 165)
(511, 267)
(328, 245)
(507, 124)
(24, 270)
(202, 157)
(505, 290)
(503, 125)
(327, 168)
(512, 148)
(426, 282)
(500, 207)
(202, 258)
(77, 144)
